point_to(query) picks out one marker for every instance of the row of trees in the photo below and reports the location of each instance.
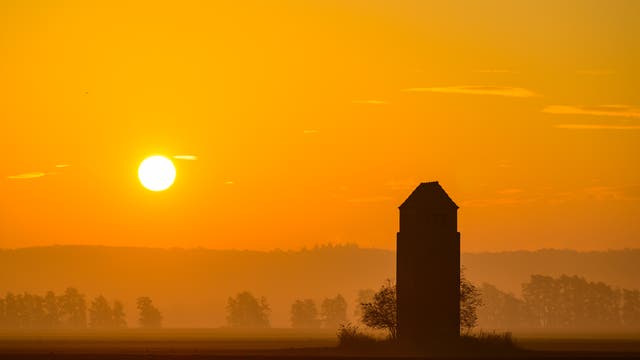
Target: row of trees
(70, 311)
(565, 302)
(247, 311)
(333, 312)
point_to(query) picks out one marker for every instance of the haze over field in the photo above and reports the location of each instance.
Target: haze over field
(191, 286)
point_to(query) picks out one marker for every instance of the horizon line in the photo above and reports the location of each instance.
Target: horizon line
(303, 248)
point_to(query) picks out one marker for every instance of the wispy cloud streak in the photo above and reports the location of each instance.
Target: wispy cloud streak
(601, 110)
(372, 199)
(596, 72)
(478, 90)
(496, 71)
(371, 102)
(31, 175)
(185, 157)
(596, 127)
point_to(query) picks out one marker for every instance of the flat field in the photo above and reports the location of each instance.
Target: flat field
(270, 344)
(619, 342)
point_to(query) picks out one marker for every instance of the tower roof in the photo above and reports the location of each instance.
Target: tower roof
(429, 195)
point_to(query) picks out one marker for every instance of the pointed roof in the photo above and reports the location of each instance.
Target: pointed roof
(429, 195)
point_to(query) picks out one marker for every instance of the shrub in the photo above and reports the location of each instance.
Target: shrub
(489, 341)
(350, 336)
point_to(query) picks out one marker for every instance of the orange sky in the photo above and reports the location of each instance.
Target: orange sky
(312, 121)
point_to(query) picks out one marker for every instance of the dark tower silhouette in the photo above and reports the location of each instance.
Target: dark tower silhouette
(428, 267)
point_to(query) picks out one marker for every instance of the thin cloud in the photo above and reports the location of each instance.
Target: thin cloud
(31, 175)
(310, 131)
(406, 184)
(372, 199)
(596, 127)
(596, 72)
(371, 102)
(601, 110)
(478, 90)
(229, 182)
(185, 157)
(600, 193)
(496, 71)
(504, 164)
(547, 195)
(60, 166)
(502, 201)
(510, 191)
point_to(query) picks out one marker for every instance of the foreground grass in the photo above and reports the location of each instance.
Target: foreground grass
(352, 339)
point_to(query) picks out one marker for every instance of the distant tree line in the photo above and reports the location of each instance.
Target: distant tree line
(248, 311)
(332, 313)
(565, 302)
(376, 309)
(70, 311)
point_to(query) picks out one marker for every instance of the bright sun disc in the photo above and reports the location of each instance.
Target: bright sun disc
(156, 173)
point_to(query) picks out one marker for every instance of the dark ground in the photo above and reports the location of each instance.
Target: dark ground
(275, 344)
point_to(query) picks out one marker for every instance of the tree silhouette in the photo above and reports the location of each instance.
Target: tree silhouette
(502, 310)
(150, 316)
(73, 309)
(30, 311)
(246, 311)
(3, 313)
(382, 311)
(572, 302)
(11, 317)
(541, 297)
(364, 296)
(118, 316)
(100, 313)
(304, 314)
(51, 310)
(631, 308)
(333, 311)
(470, 300)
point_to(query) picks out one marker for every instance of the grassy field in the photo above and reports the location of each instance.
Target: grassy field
(162, 341)
(580, 341)
(273, 343)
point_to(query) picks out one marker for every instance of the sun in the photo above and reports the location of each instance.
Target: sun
(156, 173)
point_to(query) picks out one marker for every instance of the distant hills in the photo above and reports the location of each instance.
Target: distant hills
(191, 286)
